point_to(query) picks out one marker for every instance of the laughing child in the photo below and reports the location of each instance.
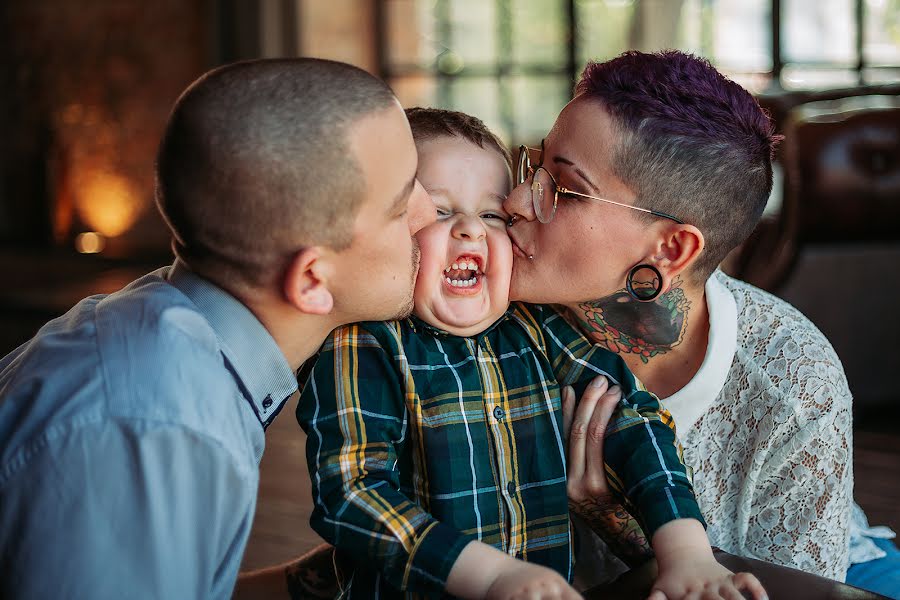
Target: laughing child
(435, 443)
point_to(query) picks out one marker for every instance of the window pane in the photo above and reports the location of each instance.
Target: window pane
(755, 83)
(417, 90)
(741, 37)
(803, 78)
(881, 75)
(478, 96)
(536, 104)
(473, 31)
(411, 37)
(733, 34)
(882, 32)
(602, 28)
(819, 31)
(539, 33)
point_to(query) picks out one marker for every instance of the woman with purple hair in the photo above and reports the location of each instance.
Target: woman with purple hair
(656, 170)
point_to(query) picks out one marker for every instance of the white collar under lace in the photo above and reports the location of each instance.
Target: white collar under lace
(691, 401)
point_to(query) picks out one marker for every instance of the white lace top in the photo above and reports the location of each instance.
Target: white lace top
(766, 425)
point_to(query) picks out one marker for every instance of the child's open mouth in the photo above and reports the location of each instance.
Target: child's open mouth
(464, 274)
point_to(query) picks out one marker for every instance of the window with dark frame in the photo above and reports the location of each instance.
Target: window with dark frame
(513, 62)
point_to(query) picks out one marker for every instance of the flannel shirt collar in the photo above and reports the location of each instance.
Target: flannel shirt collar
(418, 325)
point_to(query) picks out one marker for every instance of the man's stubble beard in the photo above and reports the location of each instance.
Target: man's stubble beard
(406, 308)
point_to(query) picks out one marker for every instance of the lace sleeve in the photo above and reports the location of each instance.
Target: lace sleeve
(799, 510)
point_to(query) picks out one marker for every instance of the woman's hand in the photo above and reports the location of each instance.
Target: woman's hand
(589, 494)
(584, 426)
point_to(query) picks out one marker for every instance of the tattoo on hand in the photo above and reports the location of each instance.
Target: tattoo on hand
(616, 527)
(625, 325)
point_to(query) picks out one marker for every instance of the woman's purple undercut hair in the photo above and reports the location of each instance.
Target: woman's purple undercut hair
(690, 142)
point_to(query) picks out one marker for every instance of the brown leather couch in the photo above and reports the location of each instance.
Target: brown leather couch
(830, 245)
(781, 583)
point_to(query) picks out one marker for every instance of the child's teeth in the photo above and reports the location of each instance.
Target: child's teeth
(450, 281)
(447, 270)
(455, 266)
(472, 266)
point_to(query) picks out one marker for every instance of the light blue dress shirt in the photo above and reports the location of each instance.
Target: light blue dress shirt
(131, 430)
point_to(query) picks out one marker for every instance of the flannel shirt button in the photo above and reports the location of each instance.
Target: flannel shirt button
(498, 413)
(511, 488)
(267, 402)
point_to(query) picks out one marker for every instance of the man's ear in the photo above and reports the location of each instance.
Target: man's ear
(678, 249)
(305, 283)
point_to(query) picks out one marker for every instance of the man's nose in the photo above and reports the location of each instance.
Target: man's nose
(421, 209)
(469, 228)
(518, 203)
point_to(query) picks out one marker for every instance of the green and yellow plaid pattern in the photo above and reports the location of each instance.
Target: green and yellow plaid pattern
(420, 441)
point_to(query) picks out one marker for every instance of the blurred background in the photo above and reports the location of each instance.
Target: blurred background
(85, 89)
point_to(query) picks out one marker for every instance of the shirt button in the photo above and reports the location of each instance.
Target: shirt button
(267, 402)
(511, 488)
(498, 413)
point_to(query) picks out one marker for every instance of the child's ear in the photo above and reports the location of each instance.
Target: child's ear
(305, 283)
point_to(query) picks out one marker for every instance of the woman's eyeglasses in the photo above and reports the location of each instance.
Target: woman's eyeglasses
(545, 192)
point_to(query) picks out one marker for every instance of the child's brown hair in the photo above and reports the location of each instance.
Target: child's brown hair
(431, 123)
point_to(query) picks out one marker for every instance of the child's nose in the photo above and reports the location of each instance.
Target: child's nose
(468, 228)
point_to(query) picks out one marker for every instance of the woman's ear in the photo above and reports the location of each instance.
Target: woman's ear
(305, 283)
(678, 249)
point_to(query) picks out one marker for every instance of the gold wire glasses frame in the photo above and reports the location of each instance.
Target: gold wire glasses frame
(542, 180)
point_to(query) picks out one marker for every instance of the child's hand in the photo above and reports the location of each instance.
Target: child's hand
(688, 569)
(482, 571)
(524, 580)
(704, 580)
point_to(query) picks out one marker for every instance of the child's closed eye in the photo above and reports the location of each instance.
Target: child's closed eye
(495, 215)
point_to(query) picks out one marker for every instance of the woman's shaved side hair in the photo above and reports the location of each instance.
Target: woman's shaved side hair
(691, 143)
(255, 163)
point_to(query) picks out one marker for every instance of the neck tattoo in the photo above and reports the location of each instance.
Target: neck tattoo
(626, 326)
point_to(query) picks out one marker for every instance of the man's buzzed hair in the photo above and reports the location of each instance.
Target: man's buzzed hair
(255, 164)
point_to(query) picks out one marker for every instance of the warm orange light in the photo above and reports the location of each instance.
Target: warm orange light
(107, 203)
(90, 242)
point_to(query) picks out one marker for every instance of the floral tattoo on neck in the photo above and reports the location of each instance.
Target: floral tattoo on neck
(626, 326)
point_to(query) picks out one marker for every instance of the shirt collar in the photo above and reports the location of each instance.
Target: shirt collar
(691, 401)
(253, 354)
(418, 325)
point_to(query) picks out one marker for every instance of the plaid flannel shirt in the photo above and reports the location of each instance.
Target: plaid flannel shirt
(420, 442)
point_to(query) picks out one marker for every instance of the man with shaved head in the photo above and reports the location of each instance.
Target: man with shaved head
(131, 427)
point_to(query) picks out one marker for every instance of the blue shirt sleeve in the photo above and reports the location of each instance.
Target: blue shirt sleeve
(128, 508)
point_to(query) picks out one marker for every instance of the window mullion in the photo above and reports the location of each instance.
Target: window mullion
(444, 80)
(860, 40)
(502, 62)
